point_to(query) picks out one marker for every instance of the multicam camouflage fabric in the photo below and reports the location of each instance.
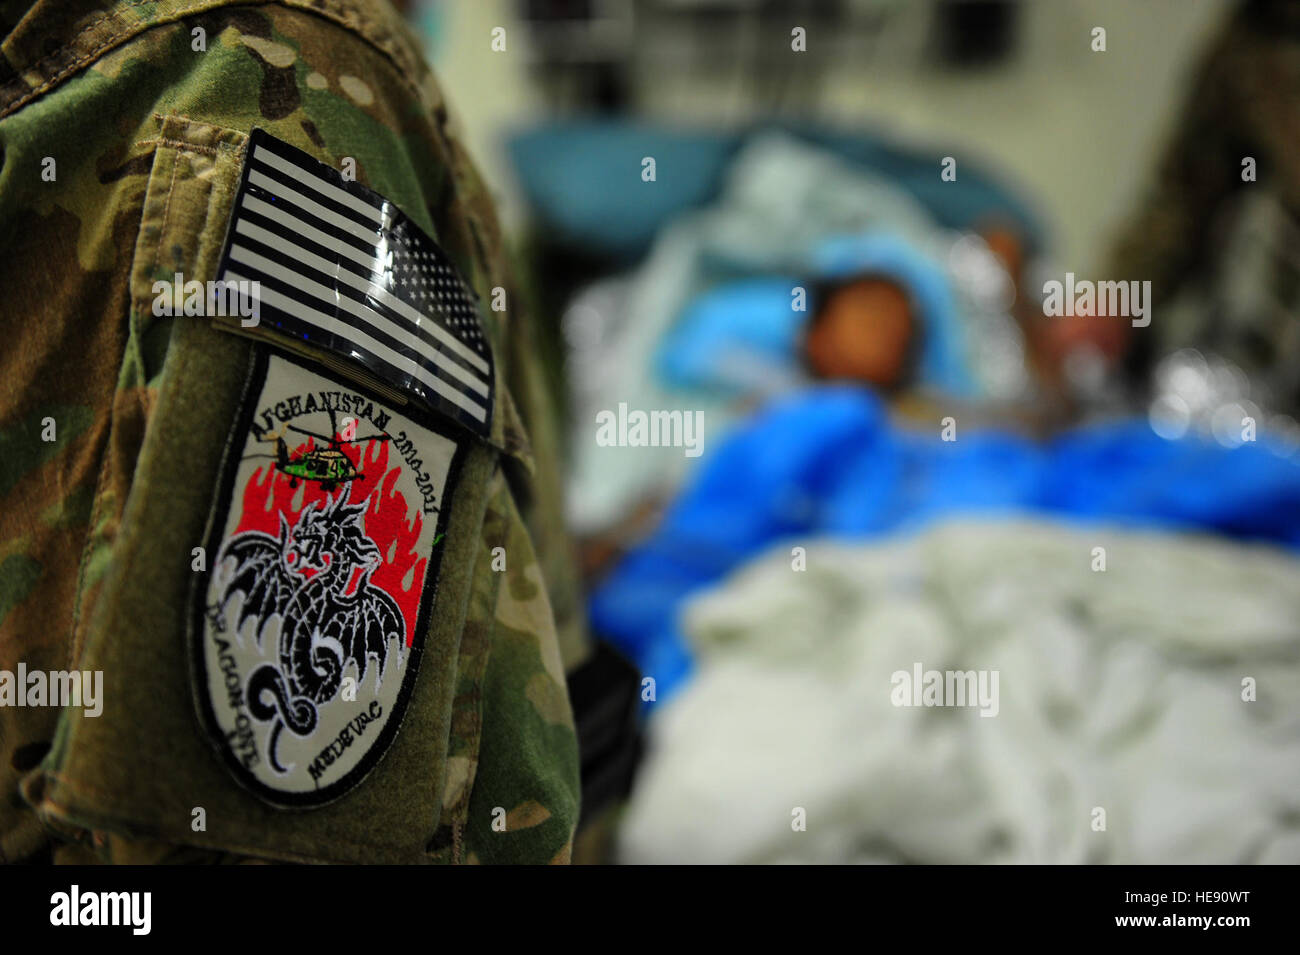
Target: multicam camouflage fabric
(123, 129)
(1216, 232)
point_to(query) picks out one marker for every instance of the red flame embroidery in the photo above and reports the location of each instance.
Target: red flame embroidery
(401, 573)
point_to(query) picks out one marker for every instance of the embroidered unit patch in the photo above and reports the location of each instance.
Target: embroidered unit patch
(324, 553)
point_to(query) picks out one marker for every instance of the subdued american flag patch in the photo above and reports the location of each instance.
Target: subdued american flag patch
(343, 270)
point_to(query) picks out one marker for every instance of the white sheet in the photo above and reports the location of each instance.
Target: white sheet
(1119, 689)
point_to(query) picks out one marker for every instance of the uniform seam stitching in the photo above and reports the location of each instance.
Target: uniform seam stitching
(167, 209)
(476, 696)
(328, 12)
(76, 64)
(181, 146)
(189, 121)
(74, 649)
(105, 459)
(163, 117)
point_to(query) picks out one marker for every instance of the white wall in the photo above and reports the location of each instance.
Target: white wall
(1076, 130)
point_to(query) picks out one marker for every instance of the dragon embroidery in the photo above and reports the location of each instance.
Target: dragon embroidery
(315, 577)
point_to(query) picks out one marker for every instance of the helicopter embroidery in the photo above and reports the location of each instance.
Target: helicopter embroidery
(329, 466)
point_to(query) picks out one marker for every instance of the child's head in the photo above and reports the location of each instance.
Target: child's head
(862, 330)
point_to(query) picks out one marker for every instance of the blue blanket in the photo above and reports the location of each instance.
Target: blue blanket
(827, 462)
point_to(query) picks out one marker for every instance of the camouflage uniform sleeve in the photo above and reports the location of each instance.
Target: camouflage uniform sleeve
(100, 522)
(1199, 166)
(512, 721)
(1236, 127)
(540, 493)
(1236, 109)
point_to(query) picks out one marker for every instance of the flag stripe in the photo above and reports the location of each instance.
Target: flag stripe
(329, 324)
(295, 222)
(338, 324)
(362, 292)
(299, 329)
(335, 219)
(321, 185)
(328, 300)
(283, 216)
